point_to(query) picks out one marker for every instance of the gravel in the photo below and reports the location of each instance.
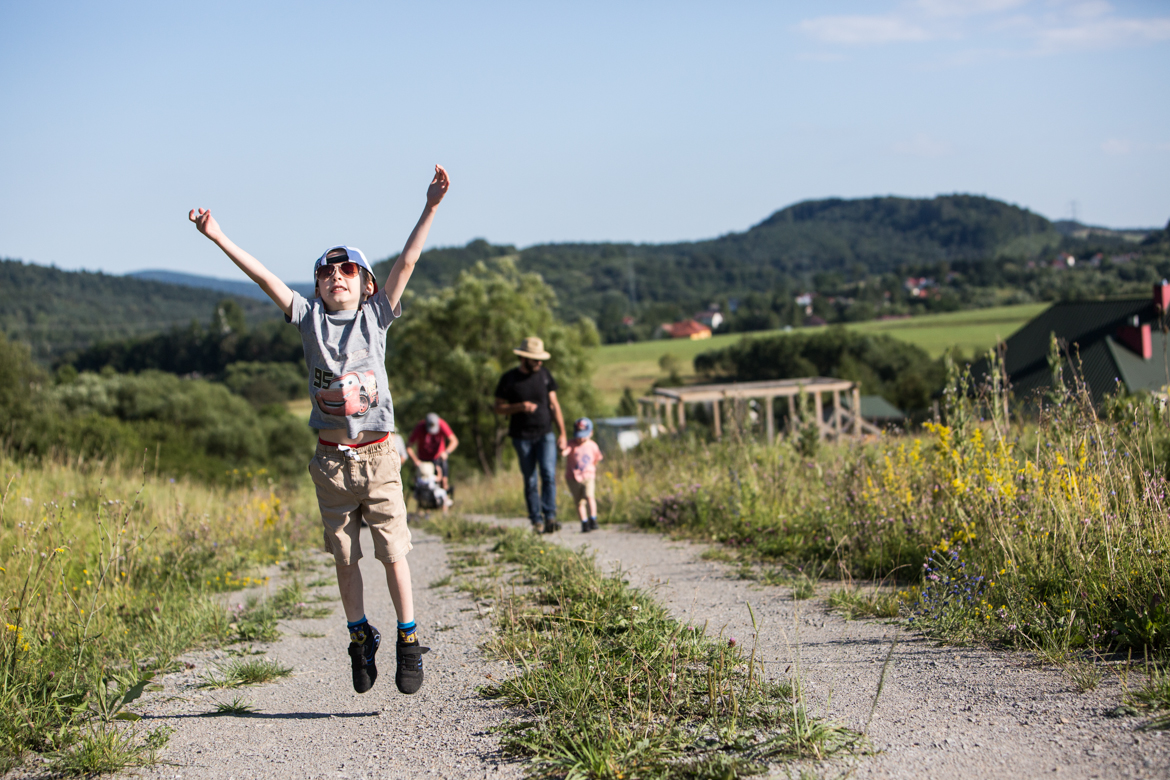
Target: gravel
(945, 712)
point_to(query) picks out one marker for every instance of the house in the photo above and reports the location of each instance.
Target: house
(712, 318)
(687, 329)
(1114, 341)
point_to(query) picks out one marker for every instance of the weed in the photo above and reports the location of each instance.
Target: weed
(804, 588)
(237, 706)
(234, 674)
(1056, 511)
(442, 582)
(854, 602)
(311, 634)
(457, 528)
(1084, 674)
(105, 749)
(323, 582)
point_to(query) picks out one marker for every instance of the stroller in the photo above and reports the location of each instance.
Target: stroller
(427, 491)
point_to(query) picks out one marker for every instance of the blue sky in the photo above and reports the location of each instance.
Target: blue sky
(306, 125)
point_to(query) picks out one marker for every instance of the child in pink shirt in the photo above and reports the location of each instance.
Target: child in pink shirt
(581, 459)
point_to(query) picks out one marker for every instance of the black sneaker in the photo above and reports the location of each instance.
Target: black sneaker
(409, 677)
(593, 524)
(551, 526)
(363, 645)
(538, 527)
(585, 527)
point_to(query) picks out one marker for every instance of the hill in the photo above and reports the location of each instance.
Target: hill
(855, 256)
(55, 311)
(246, 289)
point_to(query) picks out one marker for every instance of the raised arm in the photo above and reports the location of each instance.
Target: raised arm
(271, 284)
(404, 266)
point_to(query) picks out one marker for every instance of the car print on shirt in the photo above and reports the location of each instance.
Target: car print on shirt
(349, 395)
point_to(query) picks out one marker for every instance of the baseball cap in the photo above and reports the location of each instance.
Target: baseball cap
(432, 423)
(352, 254)
(583, 428)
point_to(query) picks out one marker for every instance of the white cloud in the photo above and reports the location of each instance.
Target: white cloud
(1030, 27)
(1103, 34)
(854, 30)
(923, 145)
(1116, 146)
(967, 7)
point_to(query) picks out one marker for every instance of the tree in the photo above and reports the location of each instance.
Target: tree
(449, 351)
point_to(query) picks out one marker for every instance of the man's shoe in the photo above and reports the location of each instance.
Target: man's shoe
(363, 645)
(538, 527)
(551, 526)
(585, 527)
(409, 677)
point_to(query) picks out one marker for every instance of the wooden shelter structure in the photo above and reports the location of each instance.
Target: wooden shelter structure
(668, 404)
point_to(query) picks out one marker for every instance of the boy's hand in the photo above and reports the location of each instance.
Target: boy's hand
(206, 224)
(439, 186)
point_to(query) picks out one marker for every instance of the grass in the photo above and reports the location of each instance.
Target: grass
(855, 602)
(636, 365)
(611, 686)
(1046, 532)
(239, 672)
(105, 579)
(237, 706)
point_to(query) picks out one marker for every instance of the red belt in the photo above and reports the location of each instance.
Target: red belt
(353, 446)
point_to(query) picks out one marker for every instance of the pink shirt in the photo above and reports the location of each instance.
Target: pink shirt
(581, 462)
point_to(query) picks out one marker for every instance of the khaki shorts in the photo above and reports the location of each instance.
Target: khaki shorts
(356, 484)
(582, 491)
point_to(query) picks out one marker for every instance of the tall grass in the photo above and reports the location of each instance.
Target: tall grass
(104, 579)
(1047, 527)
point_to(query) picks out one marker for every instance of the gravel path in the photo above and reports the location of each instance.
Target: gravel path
(313, 725)
(945, 712)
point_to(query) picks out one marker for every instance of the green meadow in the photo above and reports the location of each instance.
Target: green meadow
(636, 365)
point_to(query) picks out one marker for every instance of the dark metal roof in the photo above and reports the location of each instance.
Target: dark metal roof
(1103, 364)
(1075, 323)
(1086, 329)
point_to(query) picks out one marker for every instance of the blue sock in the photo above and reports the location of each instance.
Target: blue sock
(406, 631)
(352, 624)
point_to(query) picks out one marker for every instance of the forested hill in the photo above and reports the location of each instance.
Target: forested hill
(56, 311)
(869, 236)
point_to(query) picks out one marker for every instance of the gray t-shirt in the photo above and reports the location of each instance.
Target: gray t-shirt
(346, 355)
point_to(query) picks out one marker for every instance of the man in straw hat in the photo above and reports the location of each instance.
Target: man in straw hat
(529, 395)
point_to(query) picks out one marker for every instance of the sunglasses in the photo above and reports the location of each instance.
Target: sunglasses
(348, 270)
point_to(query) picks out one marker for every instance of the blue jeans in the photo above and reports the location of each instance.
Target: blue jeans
(540, 452)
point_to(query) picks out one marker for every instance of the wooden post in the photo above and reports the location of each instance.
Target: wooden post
(791, 414)
(837, 413)
(715, 405)
(819, 411)
(682, 414)
(770, 419)
(857, 411)
(639, 411)
(669, 407)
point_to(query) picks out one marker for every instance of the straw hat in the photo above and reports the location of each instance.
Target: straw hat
(532, 348)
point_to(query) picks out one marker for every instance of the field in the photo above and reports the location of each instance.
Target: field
(636, 365)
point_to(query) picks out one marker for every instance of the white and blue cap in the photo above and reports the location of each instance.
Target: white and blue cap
(583, 428)
(352, 254)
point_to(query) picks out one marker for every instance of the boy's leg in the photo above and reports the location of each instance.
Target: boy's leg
(548, 478)
(341, 517)
(526, 455)
(349, 583)
(398, 581)
(385, 512)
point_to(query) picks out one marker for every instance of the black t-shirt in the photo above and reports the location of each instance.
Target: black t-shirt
(516, 386)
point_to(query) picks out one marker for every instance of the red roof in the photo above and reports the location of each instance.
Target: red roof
(686, 329)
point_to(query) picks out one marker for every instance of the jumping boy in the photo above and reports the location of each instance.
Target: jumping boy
(356, 470)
